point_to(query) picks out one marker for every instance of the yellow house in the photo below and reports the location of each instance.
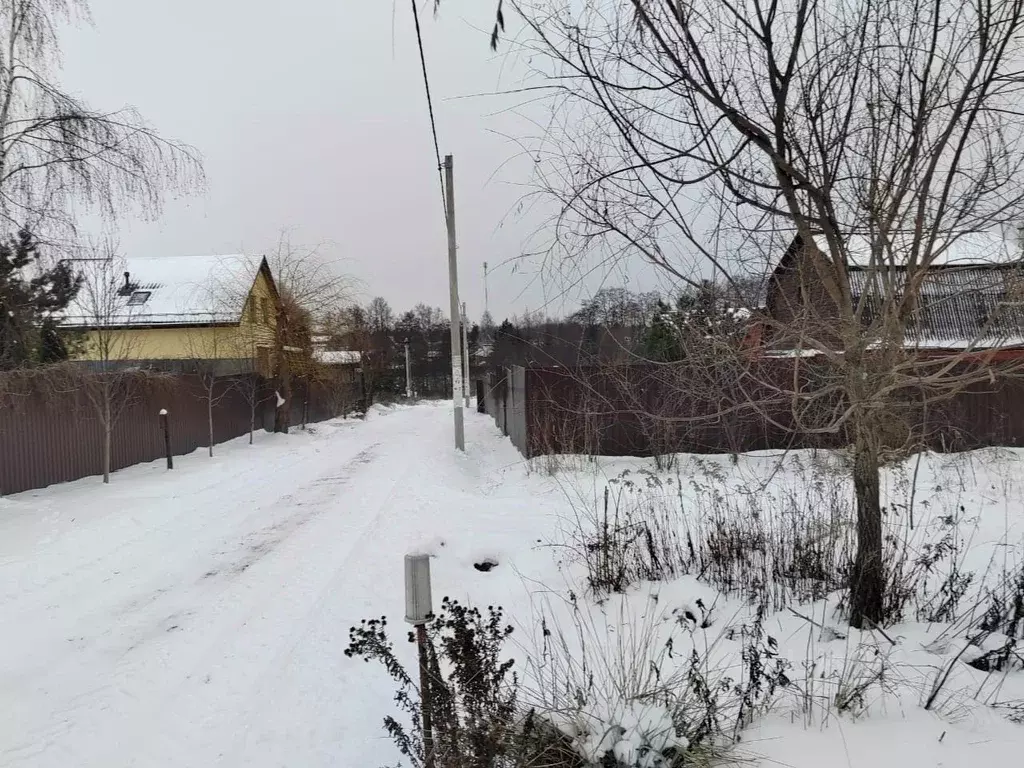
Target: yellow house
(178, 313)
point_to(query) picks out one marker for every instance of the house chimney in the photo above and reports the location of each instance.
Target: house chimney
(127, 281)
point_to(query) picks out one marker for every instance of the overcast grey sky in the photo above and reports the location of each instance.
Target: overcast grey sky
(310, 115)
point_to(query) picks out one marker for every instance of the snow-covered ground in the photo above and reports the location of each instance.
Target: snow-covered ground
(199, 617)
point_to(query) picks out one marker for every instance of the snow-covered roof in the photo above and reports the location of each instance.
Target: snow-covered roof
(964, 307)
(962, 249)
(172, 290)
(792, 353)
(336, 357)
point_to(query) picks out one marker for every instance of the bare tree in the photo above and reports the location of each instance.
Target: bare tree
(238, 354)
(312, 288)
(381, 347)
(250, 338)
(55, 150)
(209, 348)
(871, 132)
(250, 387)
(369, 331)
(104, 312)
(380, 316)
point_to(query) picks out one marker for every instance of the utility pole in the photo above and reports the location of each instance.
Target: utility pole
(487, 301)
(408, 373)
(453, 290)
(465, 355)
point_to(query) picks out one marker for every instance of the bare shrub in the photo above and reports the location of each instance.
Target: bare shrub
(793, 542)
(474, 695)
(652, 689)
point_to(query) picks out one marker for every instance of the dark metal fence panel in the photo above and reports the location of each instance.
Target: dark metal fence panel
(56, 437)
(516, 410)
(495, 386)
(641, 411)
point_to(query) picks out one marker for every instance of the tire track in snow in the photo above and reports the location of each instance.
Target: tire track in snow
(164, 616)
(231, 670)
(262, 688)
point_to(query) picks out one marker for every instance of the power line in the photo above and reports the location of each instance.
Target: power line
(430, 104)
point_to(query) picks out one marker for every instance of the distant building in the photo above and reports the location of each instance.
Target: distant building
(174, 312)
(970, 298)
(345, 361)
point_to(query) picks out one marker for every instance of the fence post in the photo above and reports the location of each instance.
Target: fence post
(167, 437)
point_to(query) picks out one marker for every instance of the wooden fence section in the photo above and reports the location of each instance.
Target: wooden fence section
(55, 437)
(650, 410)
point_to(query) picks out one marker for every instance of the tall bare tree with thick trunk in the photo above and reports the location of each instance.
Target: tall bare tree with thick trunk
(705, 135)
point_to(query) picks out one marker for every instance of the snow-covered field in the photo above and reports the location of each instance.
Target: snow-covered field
(199, 617)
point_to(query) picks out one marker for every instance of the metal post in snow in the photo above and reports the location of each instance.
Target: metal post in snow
(418, 611)
(167, 437)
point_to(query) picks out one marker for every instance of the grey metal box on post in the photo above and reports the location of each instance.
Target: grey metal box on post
(418, 608)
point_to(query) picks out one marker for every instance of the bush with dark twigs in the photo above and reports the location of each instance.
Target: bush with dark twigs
(634, 685)
(477, 721)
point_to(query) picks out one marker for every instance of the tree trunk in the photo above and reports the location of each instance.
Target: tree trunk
(252, 416)
(867, 582)
(282, 412)
(282, 416)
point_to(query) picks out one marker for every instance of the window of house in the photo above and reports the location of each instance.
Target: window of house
(138, 297)
(250, 309)
(265, 308)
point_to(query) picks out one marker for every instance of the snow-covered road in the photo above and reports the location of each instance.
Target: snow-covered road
(198, 617)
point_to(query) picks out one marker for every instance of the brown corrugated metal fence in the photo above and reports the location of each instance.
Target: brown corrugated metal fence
(56, 436)
(647, 410)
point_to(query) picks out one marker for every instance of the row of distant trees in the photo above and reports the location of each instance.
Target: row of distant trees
(380, 336)
(614, 325)
(621, 326)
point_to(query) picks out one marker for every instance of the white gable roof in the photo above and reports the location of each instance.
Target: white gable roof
(182, 290)
(965, 249)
